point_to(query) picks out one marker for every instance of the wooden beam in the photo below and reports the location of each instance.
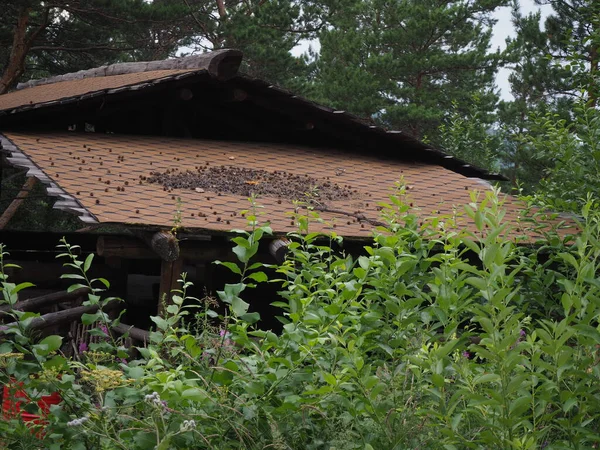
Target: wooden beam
(131, 248)
(221, 64)
(34, 304)
(123, 247)
(63, 317)
(134, 332)
(170, 272)
(14, 206)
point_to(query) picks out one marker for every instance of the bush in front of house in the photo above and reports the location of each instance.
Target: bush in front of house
(434, 338)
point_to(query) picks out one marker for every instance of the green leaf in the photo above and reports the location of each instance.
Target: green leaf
(250, 318)
(58, 362)
(104, 281)
(437, 380)
(230, 291)
(88, 319)
(254, 387)
(569, 404)
(239, 306)
(88, 262)
(195, 395)
(135, 372)
(329, 378)
(231, 266)
(160, 322)
(145, 439)
(53, 342)
(73, 276)
(259, 277)
(486, 378)
(21, 286)
(165, 444)
(74, 287)
(478, 283)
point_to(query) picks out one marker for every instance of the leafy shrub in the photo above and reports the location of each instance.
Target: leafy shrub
(435, 337)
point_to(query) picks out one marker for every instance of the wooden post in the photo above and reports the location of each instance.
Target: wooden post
(14, 206)
(170, 272)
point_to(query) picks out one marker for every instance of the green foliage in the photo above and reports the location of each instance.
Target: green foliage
(64, 36)
(570, 153)
(403, 63)
(471, 138)
(432, 338)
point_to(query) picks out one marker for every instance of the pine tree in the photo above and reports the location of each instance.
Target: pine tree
(404, 62)
(39, 38)
(265, 31)
(554, 65)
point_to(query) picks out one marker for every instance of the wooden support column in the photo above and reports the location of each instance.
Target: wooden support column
(14, 206)
(170, 271)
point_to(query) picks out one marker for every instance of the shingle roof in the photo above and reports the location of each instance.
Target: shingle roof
(84, 95)
(44, 95)
(105, 175)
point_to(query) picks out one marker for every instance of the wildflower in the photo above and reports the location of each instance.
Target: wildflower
(155, 400)
(522, 333)
(466, 354)
(104, 379)
(151, 397)
(188, 425)
(222, 332)
(6, 357)
(83, 347)
(47, 375)
(97, 357)
(104, 329)
(77, 422)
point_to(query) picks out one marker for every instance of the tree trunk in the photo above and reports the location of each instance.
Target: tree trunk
(593, 87)
(18, 53)
(20, 47)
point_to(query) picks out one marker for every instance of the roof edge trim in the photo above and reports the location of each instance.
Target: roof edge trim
(221, 64)
(65, 201)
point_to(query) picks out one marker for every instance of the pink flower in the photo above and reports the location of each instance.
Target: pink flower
(83, 347)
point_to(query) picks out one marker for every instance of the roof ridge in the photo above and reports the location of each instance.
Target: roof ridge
(222, 64)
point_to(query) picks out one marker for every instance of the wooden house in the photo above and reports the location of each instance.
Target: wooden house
(145, 147)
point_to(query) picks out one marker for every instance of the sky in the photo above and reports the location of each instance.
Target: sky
(502, 30)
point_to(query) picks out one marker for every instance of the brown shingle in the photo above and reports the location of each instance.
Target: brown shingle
(116, 184)
(53, 92)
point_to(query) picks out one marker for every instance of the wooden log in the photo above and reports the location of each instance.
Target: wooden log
(170, 272)
(134, 332)
(163, 243)
(59, 318)
(34, 304)
(16, 203)
(131, 248)
(222, 64)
